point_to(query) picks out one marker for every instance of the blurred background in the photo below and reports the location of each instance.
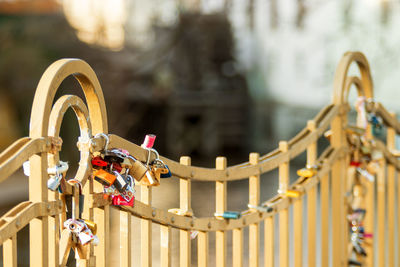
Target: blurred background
(208, 77)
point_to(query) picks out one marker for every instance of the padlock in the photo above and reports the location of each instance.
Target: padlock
(355, 163)
(74, 225)
(91, 225)
(120, 201)
(99, 162)
(120, 183)
(307, 172)
(158, 170)
(114, 155)
(228, 215)
(104, 177)
(290, 193)
(54, 182)
(260, 208)
(181, 212)
(138, 170)
(128, 194)
(149, 179)
(366, 174)
(166, 174)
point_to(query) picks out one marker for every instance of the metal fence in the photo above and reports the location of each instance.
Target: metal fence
(353, 179)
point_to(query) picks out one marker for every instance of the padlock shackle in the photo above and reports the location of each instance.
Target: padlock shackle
(105, 136)
(149, 155)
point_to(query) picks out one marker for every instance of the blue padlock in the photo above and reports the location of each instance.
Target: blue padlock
(166, 175)
(229, 215)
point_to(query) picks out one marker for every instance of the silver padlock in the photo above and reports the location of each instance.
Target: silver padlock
(56, 174)
(54, 182)
(120, 183)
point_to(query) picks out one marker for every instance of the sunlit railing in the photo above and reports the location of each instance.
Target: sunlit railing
(337, 178)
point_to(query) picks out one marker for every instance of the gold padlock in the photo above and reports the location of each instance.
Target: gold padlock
(181, 212)
(138, 170)
(150, 179)
(292, 193)
(92, 226)
(307, 172)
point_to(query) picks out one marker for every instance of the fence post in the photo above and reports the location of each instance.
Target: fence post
(254, 199)
(220, 207)
(338, 140)
(312, 202)
(284, 214)
(10, 252)
(391, 173)
(185, 204)
(146, 231)
(38, 227)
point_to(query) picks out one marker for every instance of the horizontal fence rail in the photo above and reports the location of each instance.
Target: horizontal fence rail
(334, 214)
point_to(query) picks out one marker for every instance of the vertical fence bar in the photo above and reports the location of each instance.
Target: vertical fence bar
(391, 145)
(237, 252)
(38, 227)
(88, 212)
(202, 249)
(269, 251)
(284, 214)
(10, 252)
(220, 207)
(125, 239)
(165, 245)
(298, 231)
(145, 241)
(381, 193)
(311, 202)
(398, 217)
(369, 220)
(339, 224)
(54, 236)
(185, 204)
(325, 220)
(102, 218)
(254, 199)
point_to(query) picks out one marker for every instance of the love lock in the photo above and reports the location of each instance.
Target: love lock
(228, 215)
(307, 172)
(127, 197)
(78, 233)
(104, 177)
(290, 193)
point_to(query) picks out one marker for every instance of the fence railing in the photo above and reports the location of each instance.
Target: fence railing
(354, 176)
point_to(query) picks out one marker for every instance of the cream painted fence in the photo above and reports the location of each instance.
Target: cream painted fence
(45, 210)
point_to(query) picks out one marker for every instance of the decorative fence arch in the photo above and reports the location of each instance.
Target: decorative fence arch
(329, 177)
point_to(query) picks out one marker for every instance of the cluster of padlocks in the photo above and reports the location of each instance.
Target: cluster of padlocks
(117, 171)
(364, 165)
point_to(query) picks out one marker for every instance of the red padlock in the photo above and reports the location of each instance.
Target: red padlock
(355, 163)
(99, 162)
(120, 201)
